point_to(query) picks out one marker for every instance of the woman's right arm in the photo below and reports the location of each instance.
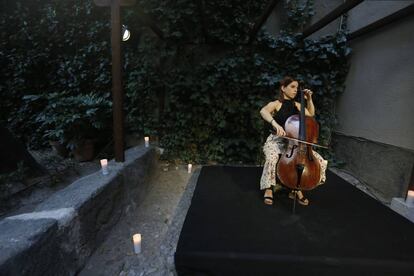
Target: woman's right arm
(266, 113)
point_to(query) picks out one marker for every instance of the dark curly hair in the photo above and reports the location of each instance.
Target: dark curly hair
(285, 82)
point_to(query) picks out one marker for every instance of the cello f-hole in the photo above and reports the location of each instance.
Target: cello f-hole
(288, 155)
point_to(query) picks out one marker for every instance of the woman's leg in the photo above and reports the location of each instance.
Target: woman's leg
(268, 196)
(324, 165)
(271, 150)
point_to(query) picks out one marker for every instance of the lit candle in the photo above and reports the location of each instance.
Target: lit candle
(410, 198)
(137, 243)
(190, 166)
(104, 165)
(146, 141)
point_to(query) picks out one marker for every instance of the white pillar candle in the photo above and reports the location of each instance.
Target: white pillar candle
(104, 165)
(146, 139)
(410, 198)
(190, 166)
(137, 243)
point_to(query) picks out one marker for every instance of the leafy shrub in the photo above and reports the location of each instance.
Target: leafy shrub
(70, 119)
(199, 89)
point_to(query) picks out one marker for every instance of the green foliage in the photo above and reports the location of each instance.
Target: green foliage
(199, 89)
(71, 119)
(214, 84)
(49, 47)
(7, 180)
(16, 176)
(298, 14)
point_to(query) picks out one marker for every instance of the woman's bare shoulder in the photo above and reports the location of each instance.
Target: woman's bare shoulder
(277, 104)
(273, 106)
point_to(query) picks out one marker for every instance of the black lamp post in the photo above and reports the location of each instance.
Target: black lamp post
(117, 92)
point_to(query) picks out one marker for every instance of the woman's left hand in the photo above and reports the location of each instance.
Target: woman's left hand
(308, 94)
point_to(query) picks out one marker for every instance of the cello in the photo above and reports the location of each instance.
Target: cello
(298, 168)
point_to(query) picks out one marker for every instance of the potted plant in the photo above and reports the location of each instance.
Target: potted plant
(76, 121)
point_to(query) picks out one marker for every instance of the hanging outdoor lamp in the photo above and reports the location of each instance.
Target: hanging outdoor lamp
(126, 34)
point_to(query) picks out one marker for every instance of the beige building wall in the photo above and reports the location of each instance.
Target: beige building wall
(378, 100)
(322, 8)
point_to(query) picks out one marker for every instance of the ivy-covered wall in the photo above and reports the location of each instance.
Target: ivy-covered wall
(55, 73)
(199, 88)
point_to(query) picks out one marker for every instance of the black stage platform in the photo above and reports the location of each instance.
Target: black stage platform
(229, 231)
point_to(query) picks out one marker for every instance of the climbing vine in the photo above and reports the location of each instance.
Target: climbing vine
(214, 83)
(199, 88)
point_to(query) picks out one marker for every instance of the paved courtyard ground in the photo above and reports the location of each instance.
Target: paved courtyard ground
(158, 219)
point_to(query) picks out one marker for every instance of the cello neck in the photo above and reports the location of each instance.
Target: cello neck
(302, 124)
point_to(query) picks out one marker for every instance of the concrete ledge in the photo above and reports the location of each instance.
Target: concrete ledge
(61, 233)
(383, 168)
(401, 207)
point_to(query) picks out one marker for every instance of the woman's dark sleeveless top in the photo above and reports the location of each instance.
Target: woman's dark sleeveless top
(287, 109)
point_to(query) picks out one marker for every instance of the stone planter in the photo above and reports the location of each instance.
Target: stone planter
(59, 148)
(84, 150)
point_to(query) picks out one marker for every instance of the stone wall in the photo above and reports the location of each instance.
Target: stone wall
(384, 169)
(61, 233)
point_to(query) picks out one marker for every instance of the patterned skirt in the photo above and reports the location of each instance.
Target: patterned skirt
(274, 146)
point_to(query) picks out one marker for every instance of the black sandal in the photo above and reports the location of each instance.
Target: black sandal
(268, 200)
(302, 201)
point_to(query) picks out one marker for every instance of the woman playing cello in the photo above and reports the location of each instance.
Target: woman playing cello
(276, 113)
